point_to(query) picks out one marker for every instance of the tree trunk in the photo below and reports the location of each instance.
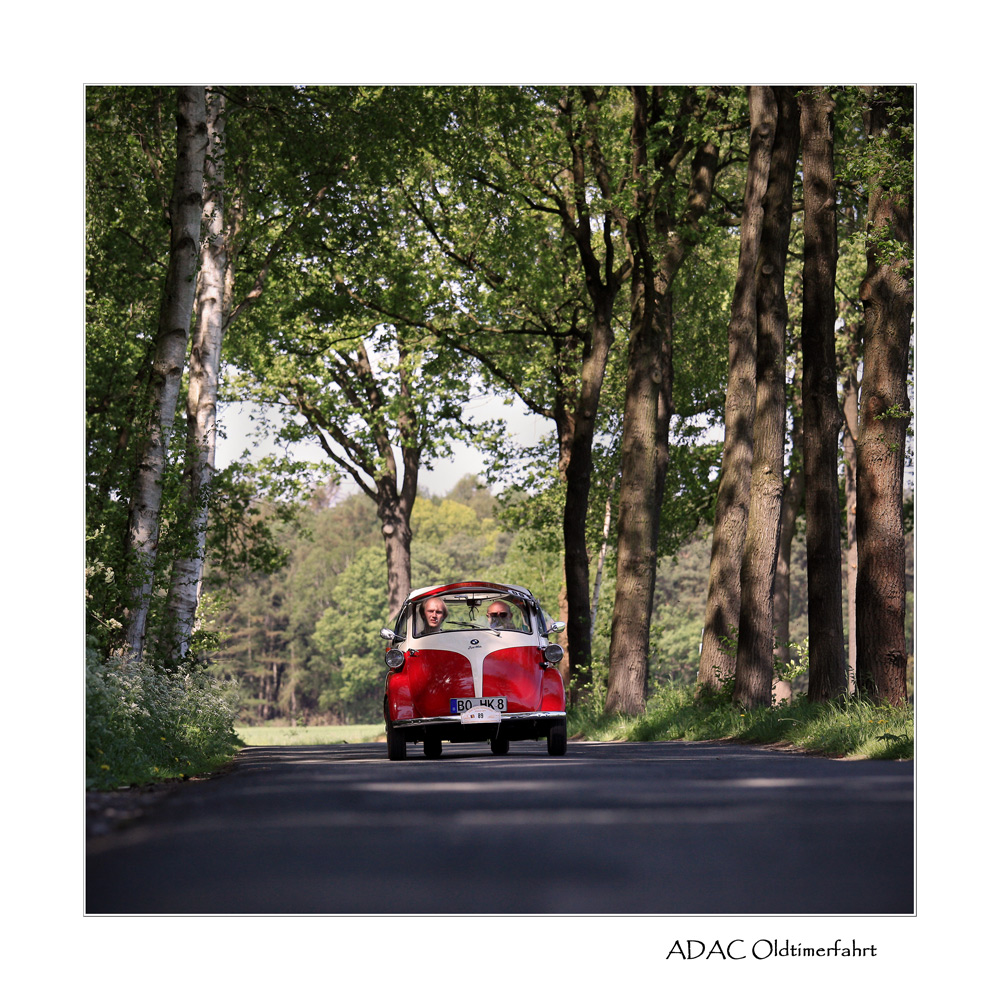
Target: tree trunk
(203, 389)
(850, 448)
(821, 412)
(722, 609)
(649, 402)
(755, 651)
(578, 477)
(396, 533)
(791, 504)
(638, 510)
(887, 295)
(168, 365)
(601, 558)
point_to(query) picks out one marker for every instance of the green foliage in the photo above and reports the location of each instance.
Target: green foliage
(346, 640)
(146, 725)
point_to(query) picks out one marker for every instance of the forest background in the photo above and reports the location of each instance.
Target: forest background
(372, 259)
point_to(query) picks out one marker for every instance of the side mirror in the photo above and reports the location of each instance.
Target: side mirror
(556, 627)
(390, 636)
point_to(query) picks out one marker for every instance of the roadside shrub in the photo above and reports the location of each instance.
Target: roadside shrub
(145, 724)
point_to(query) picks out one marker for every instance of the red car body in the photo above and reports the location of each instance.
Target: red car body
(472, 662)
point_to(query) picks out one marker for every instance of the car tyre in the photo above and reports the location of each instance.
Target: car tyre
(395, 743)
(557, 740)
(432, 749)
(499, 746)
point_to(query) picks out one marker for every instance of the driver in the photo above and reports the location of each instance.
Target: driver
(433, 612)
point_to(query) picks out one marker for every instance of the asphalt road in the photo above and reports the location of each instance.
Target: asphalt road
(611, 828)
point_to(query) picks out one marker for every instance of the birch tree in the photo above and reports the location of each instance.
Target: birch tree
(203, 388)
(168, 363)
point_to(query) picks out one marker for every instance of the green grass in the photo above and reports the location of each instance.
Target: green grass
(845, 728)
(296, 736)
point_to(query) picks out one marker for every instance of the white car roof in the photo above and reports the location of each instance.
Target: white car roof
(455, 588)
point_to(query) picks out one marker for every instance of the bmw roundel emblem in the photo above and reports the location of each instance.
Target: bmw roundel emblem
(474, 642)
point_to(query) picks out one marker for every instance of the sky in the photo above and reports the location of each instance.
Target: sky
(438, 480)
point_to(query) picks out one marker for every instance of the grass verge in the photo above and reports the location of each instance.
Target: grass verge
(845, 728)
(294, 736)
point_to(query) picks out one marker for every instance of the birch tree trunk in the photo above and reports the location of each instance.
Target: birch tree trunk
(203, 389)
(755, 651)
(850, 447)
(791, 504)
(821, 413)
(887, 294)
(168, 364)
(722, 608)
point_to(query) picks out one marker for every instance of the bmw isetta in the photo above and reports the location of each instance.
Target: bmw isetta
(472, 662)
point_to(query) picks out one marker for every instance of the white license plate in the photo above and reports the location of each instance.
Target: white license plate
(461, 705)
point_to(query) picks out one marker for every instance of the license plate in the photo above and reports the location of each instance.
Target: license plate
(461, 705)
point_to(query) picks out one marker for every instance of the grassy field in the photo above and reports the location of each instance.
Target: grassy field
(295, 736)
(850, 728)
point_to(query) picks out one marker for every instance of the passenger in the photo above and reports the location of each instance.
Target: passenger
(499, 616)
(433, 613)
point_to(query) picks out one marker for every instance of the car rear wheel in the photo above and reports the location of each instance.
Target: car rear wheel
(395, 743)
(432, 749)
(557, 740)
(499, 746)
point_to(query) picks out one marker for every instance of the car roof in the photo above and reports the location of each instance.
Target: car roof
(472, 585)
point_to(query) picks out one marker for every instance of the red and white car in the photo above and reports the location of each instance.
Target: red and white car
(472, 662)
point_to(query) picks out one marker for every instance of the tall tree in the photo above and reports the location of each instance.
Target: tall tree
(887, 295)
(660, 238)
(755, 651)
(722, 608)
(821, 412)
(521, 198)
(168, 364)
(203, 389)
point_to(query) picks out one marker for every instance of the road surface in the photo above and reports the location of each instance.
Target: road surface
(611, 828)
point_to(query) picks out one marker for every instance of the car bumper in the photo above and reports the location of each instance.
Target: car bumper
(512, 725)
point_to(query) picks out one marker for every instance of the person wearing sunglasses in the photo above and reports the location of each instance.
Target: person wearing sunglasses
(499, 616)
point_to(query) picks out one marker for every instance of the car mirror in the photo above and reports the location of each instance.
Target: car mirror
(556, 627)
(390, 636)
